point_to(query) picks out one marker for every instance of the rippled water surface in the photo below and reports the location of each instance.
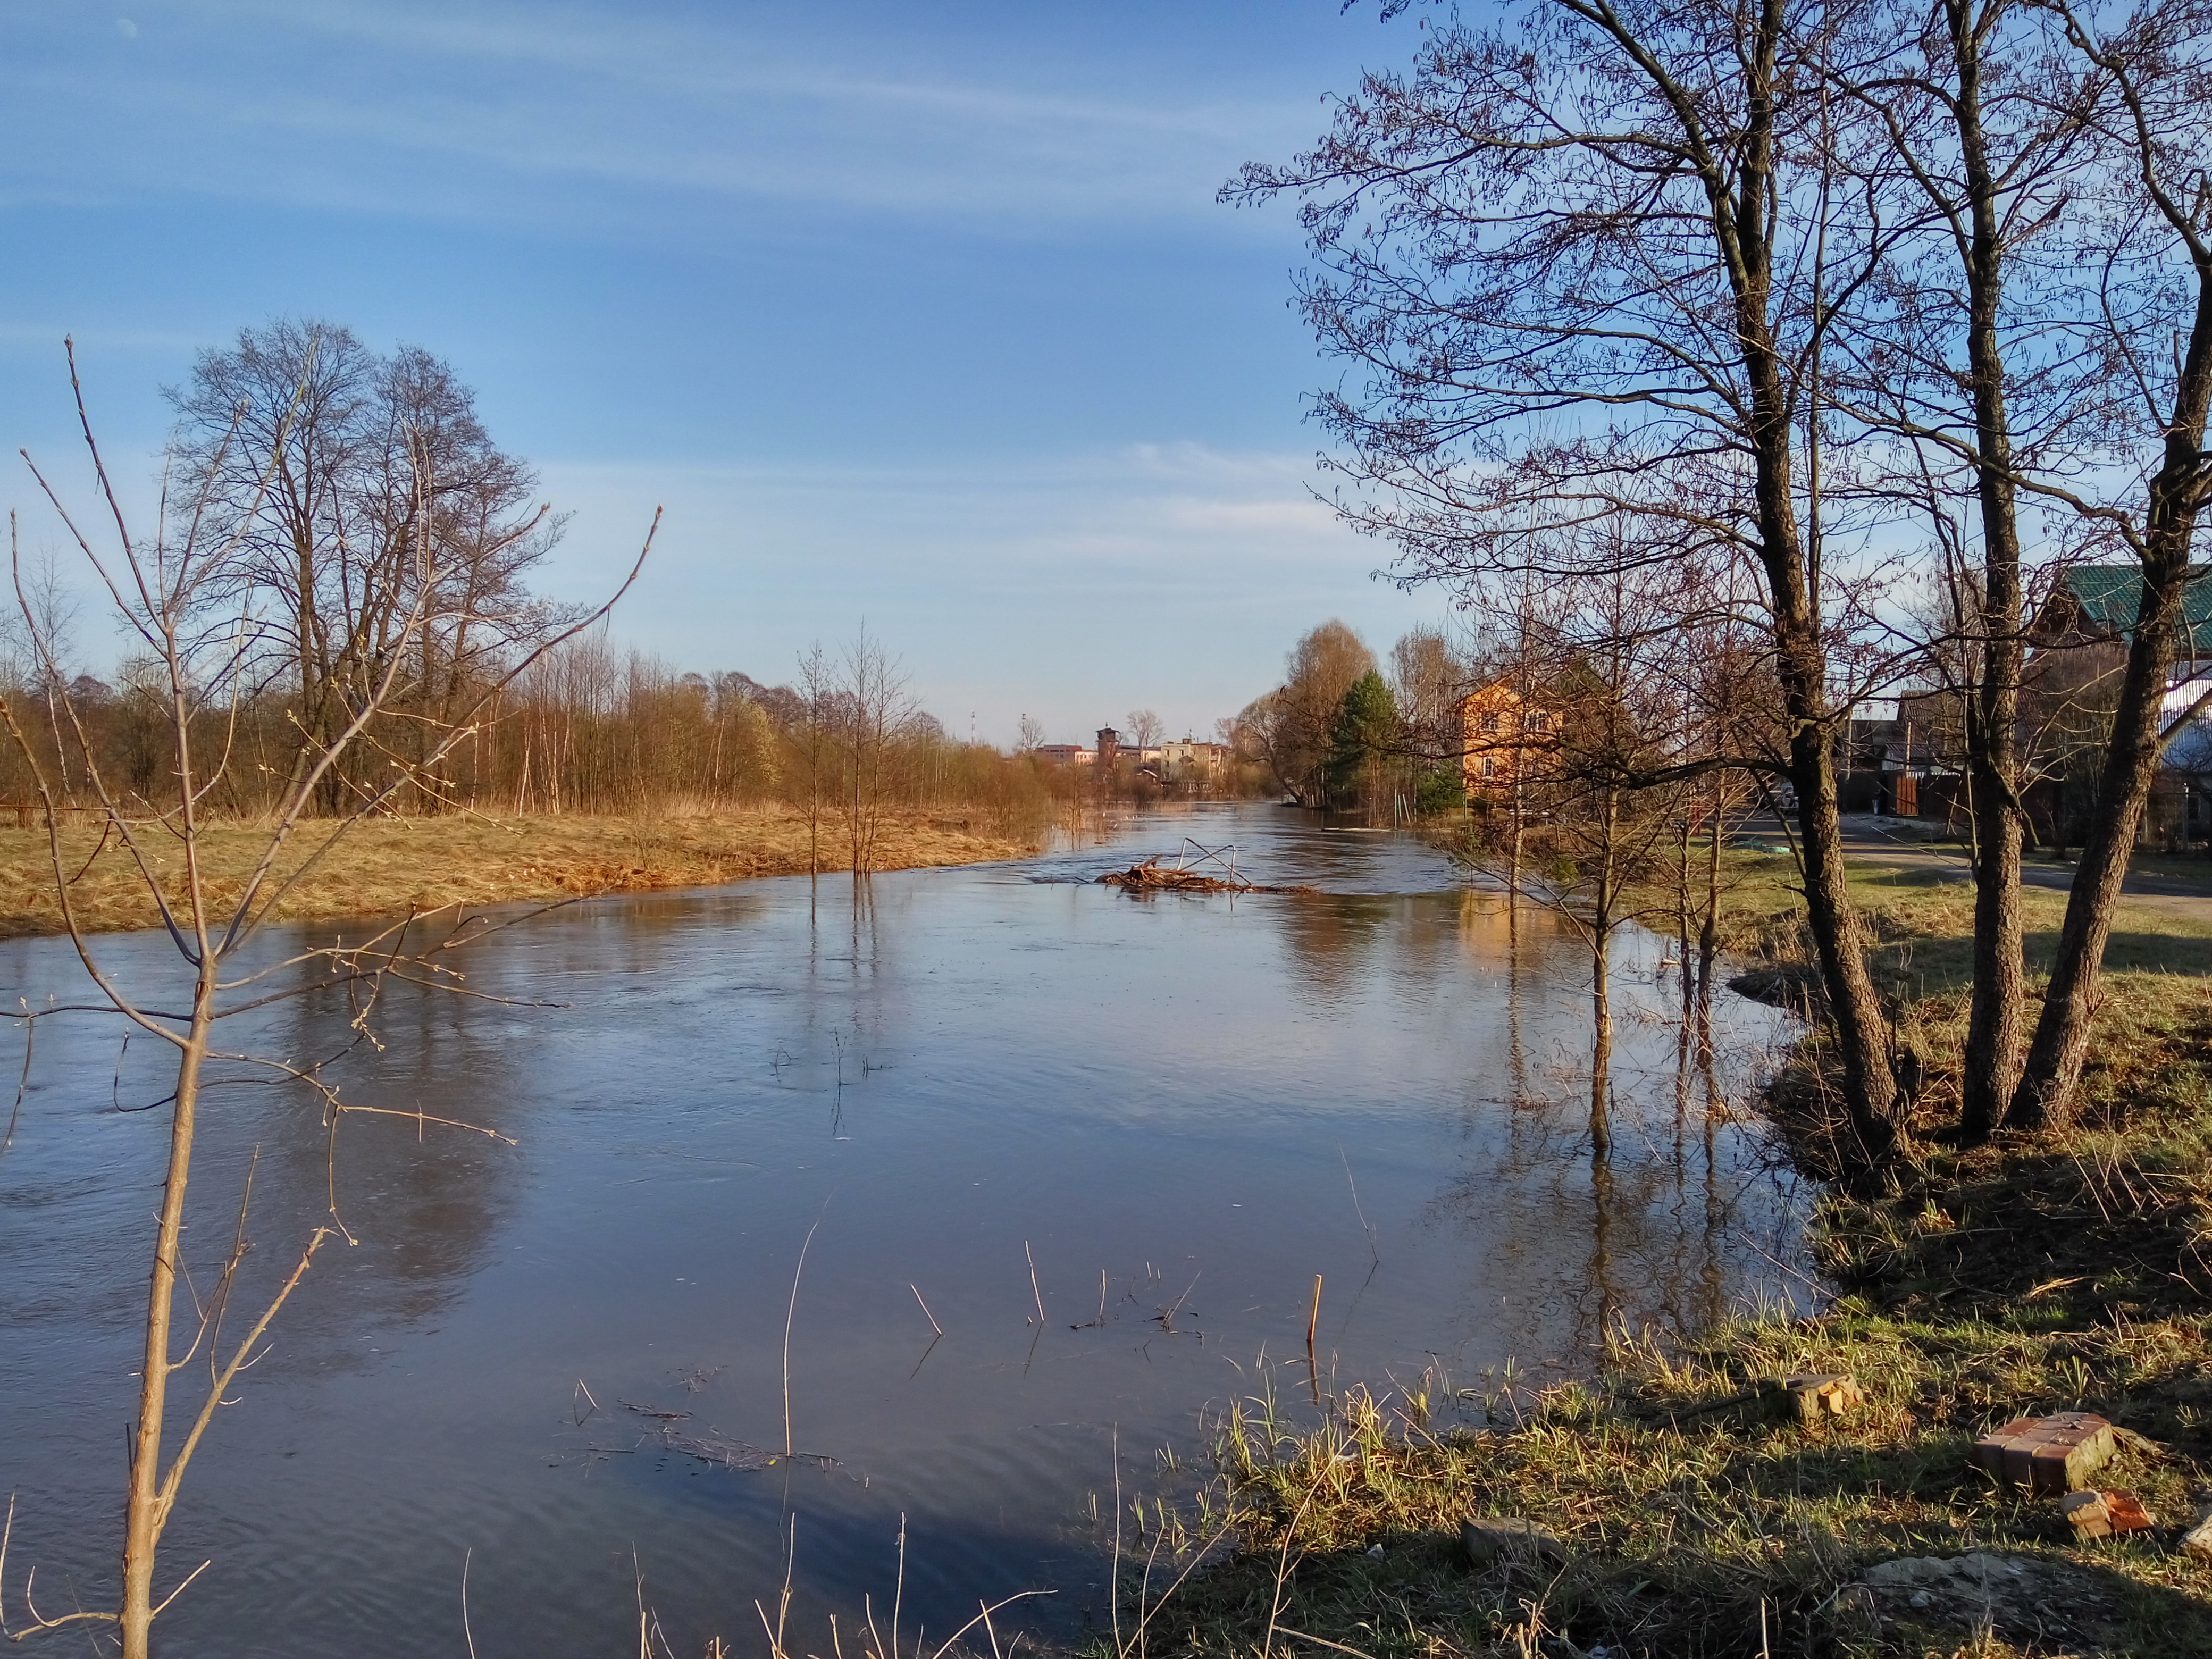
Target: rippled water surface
(1207, 1102)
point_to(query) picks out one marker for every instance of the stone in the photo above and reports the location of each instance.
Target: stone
(1488, 1539)
(1975, 1573)
(2017, 1597)
(2197, 1541)
(2056, 1454)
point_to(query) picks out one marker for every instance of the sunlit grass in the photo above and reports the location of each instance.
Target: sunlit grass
(385, 866)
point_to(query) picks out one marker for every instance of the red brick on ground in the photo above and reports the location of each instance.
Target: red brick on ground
(2055, 1454)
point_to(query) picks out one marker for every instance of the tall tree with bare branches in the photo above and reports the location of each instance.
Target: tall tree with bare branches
(318, 465)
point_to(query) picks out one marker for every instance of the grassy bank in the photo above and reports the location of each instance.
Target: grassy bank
(387, 866)
(2017, 1279)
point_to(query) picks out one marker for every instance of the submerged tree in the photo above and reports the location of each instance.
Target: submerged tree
(1292, 727)
(873, 708)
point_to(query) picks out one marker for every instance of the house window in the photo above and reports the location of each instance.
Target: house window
(1489, 766)
(1488, 722)
(1536, 720)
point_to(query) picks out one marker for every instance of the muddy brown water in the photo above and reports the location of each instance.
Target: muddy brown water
(1206, 1100)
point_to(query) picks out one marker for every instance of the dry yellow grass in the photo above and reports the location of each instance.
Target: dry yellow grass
(387, 866)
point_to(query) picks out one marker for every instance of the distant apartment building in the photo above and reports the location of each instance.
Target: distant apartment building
(1064, 754)
(1201, 764)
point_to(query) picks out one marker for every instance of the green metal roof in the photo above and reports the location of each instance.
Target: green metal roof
(2111, 596)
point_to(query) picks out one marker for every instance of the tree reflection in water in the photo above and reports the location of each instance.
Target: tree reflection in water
(1652, 1158)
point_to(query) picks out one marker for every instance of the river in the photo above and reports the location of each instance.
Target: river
(989, 1088)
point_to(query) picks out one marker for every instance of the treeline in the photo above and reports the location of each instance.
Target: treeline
(589, 727)
(1772, 361)
(348, 547)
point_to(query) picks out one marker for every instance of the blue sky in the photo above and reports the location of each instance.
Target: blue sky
(922, 314)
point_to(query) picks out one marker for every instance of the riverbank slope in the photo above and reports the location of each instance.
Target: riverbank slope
(2033, 1275)
(387, 867)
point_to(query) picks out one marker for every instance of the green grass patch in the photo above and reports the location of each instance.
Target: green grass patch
(1693, 1531)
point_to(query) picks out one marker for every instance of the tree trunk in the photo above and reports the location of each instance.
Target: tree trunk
(1792, 565)
(1709, 928)
(143, 1512)
(1601, 1128)
(2062, 1033)
(1993, 1021)
(1862, 1030)
(1513, 863)
(1684, 970)
(2132, 754)
(1600, 937)
(1991, 1057)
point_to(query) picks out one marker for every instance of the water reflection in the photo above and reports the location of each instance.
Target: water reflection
(989, 1093)
(1331, 941)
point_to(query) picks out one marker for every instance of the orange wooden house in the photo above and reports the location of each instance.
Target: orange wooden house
(1502, 731)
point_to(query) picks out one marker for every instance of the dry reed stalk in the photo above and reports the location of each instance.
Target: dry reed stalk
(1113, 1578)
(1313, 1366)
(1167, 1319)
(1283, 1558)
(790, 1314)
(926, 1313)
(1038, 1294)
(1365, 1225)
(467, 1635)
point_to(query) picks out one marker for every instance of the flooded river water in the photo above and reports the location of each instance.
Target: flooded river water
(991, 1087)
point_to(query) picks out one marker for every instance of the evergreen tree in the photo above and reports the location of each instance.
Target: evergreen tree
(1363, 741)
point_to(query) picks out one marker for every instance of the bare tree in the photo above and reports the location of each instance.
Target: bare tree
(1428, 678)
(1144, 728)
(316, 466)
(165, 591)
(1953, 351)
(813, 739)
(1599, 659)
(874, 709)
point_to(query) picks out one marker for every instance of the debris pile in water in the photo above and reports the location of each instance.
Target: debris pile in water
(1153, 876)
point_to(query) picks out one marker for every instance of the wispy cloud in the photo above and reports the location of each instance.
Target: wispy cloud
(459, 109)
